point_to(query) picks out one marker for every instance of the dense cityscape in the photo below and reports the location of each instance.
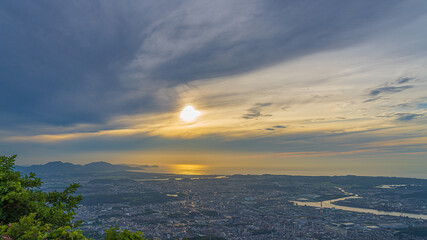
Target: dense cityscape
(167, 206)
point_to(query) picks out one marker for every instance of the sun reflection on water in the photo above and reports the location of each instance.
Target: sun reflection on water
(188, 169)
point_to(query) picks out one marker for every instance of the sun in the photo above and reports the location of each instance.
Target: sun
(189, 114)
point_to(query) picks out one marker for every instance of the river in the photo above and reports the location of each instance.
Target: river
(330, 204)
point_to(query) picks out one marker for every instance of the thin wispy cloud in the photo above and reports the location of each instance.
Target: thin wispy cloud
(407, 116)
(404, 80)
(389, 89)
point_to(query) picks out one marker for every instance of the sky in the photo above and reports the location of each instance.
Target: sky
(289, 87)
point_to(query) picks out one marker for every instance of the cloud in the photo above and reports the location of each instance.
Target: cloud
(371, 99)
(315, 154)
(275, 127)
(89, 62)
(404, 80)
(390, 89)
(422, 106)
(402, 142)
(401, 116)
(129, 68)
(221, 37)
(407, 116)
(255, 111)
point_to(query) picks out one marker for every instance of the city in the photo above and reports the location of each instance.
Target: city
(167, 206)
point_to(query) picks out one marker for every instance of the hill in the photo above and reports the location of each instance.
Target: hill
(58, 167)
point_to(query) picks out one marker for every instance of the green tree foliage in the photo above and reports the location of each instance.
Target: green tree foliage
(26, 212)
(29, 227)
(115, 233)
(21, 195)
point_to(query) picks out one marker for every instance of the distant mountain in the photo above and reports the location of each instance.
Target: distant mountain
(95, 167)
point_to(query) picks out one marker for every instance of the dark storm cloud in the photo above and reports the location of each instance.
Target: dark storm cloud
(284, 33)
(69, 62)
(279, 126)
(60, 62)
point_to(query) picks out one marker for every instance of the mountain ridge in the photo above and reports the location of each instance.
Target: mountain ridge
(59, 167)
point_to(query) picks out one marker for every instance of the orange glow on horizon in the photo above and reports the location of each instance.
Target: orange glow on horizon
(188, 169)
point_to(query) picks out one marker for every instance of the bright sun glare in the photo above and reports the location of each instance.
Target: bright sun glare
(189, 114)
